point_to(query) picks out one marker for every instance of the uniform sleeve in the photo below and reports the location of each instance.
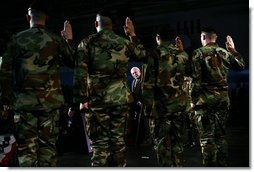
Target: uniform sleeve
(67, 53)
(196, 75)
(136, 49)
(81, 74)
(6, 74)
(236, 61)
(185, 61)
(150, 77)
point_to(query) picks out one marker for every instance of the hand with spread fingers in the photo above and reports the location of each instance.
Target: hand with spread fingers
(129, 27)
(230, 45)
(179, 43)
(67, 31)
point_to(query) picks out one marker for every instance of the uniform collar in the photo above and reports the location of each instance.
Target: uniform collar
(106, 31)
(38, 26)
(212, 44)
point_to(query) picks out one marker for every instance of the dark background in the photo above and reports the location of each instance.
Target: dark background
(186, 16)
(228, 17)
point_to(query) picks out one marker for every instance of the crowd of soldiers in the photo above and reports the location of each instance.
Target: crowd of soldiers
(31, 88)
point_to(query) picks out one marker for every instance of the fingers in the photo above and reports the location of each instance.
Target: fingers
(64, 34)
(229, 39)
(230, 44)
(179, 43)
(127, 21)
(227, 43)
(129, 27)
(178, 40)
(67, 25)
(67, 31)
(66, 22)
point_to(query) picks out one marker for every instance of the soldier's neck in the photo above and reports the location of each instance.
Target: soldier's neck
(36, 23)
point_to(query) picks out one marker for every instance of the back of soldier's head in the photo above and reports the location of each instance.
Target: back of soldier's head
(38, 9)
(166, 33)
(208, 30)
(106, 17)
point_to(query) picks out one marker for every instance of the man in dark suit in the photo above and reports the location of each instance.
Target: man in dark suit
(136, 84)
(138, 131)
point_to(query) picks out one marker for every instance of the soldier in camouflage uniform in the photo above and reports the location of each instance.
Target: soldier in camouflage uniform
(101, 79)
(169, 65)
(30, 80)
(210, 94)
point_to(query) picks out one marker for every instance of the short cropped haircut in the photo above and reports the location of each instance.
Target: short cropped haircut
(166, 33)
(209, 30)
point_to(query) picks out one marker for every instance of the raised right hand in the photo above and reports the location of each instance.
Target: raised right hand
(129, 27)
(67, 31)
(230, 45)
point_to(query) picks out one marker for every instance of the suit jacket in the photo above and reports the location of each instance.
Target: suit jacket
(136, 89)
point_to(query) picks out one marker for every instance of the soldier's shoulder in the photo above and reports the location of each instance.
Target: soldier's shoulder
(162, 48)
(54, 36)
(197, 52)
(200, 49)
(89, 38)
(30, 32)
(117, 38)
(212, 49)
(169, 49)
(221, 49)
(174, 50)
(20, 36)
(21, 33)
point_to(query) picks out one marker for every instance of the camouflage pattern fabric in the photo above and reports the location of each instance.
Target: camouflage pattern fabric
(30, 81)
(37, 149)
(105, 128)
(210, 98)
(33, 58)
(168, 66)
(101, 78)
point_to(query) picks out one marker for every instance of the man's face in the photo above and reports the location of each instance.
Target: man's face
(136, 73)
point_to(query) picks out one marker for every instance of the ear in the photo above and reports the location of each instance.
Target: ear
(96, 24)
(158, 39)
(203, 37)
